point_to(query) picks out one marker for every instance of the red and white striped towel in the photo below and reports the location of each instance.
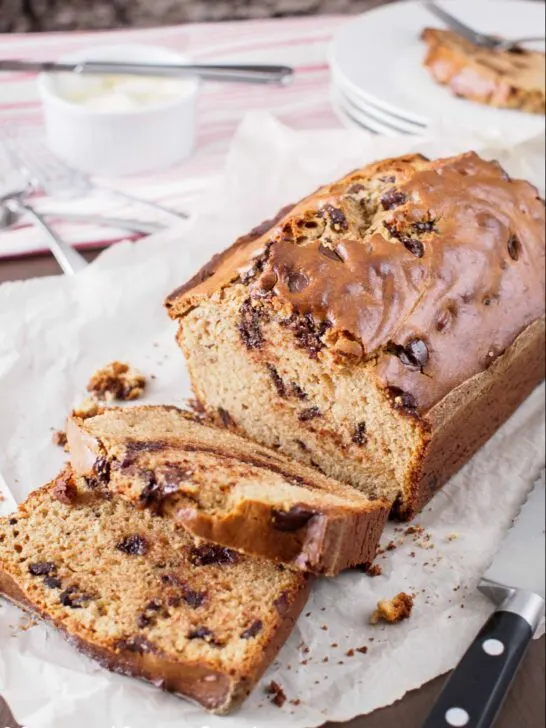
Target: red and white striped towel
(302, 43)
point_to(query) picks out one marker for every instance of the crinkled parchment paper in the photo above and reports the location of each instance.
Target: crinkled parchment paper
(54, 333)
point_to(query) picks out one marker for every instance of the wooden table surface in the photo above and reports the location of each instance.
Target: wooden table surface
(525, 705)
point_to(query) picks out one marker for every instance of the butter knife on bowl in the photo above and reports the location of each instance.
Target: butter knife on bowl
(515, 583)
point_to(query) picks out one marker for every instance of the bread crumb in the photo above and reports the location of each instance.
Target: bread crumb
(277, 694)
(88, 408)
(295, 702)
(453, 536)
(391, 546)
(350, 653)
(59, 438)
(375, 570)
(394, 610)
(117, 381)
(362, 650)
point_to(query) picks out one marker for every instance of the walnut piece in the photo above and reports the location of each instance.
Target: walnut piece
(88, 408)
(116, 381)
(393, 610)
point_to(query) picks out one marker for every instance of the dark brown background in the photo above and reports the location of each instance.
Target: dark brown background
(525, 706)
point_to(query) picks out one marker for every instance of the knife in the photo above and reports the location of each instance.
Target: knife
(515, 583)
(479, 39)
(209, 72)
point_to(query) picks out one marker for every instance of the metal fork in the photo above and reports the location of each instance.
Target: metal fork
(48, 173)
(480, 39)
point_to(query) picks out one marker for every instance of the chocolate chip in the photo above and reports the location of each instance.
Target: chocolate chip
(415, 247)
(296, 281)
(310, 413)
(277, 380)
(211, 554)
(144, 620)
(414, 354)
(292, 520)
(389, 179)
(360, 437)
(91, 483)
(136, 644)
(65, 491)
(514, 247)
(425, 226)
(330, 253)
(12, 521)
(358, 187)
(42, 568)
(308, 333)
(227, 420)
(402, 400)
(254, 629)
(134, 545)
(193, 599)
(250, 326)
(202, 633)
(393, 198)
(153, 606)
(278, 696)
(52, 582)
(74, 598)
(268, 281)
(101, 468)
(337, 217)
(297, 391)
(282, 603)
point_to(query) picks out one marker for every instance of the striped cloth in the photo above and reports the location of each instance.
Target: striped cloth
(300, 42)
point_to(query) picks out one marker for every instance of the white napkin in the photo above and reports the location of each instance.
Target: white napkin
(56, 332)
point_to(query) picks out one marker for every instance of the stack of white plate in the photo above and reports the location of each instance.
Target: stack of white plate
(379, 83)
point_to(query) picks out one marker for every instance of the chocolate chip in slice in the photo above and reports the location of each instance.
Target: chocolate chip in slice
(42, 568)
(402, 400)
(52, 582)
(252, 631)
(393, 198)
(212, 555)
(308, 414)
(134, 545)
(292, 520)
(360, 437)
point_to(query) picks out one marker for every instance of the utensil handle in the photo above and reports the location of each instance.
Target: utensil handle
(475, 691)
(69, 259)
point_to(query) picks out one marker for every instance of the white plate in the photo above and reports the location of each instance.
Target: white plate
(357, 101)
(379, 57)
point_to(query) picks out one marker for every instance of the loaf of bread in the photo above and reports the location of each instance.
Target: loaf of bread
(382, 329)
(226, 489)
(514, 79)
(143, 598)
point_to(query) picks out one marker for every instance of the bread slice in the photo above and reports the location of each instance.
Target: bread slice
(141, 596)
(227, 489)
(513, 79)
(382, 329)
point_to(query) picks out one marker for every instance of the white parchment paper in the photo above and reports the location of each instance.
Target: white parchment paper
(55, 332)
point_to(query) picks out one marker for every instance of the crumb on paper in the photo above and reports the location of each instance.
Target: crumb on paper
(393, 610)
(88, 408)
(374, 570)
(295, 702)
(453, 536)
(277, 694)
(117, 381)
(350, 653)
(59, 438)
(363, 650)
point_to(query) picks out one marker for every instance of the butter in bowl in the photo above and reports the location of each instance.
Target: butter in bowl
(115, 125)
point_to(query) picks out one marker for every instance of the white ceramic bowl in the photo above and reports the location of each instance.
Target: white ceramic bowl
(114, 141)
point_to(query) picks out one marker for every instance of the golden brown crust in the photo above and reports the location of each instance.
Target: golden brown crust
(296, 528)
(506, 79)
(218, 688)
(444, 260)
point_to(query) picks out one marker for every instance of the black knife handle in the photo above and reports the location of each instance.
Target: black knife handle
(475, 691)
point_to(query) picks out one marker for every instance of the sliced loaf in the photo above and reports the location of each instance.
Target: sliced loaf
(226, 489)
(141, 596)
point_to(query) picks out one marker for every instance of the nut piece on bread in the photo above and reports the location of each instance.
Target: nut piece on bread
(143, 598)
(382, 329)
(393, 610)
(226, 489)
(513, 79)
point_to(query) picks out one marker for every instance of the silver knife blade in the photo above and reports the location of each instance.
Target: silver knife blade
(520, 560)
(461, 28)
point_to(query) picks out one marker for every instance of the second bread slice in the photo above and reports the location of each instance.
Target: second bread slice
(226, 489)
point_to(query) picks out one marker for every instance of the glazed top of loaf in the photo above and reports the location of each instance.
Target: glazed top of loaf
(430, 269)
